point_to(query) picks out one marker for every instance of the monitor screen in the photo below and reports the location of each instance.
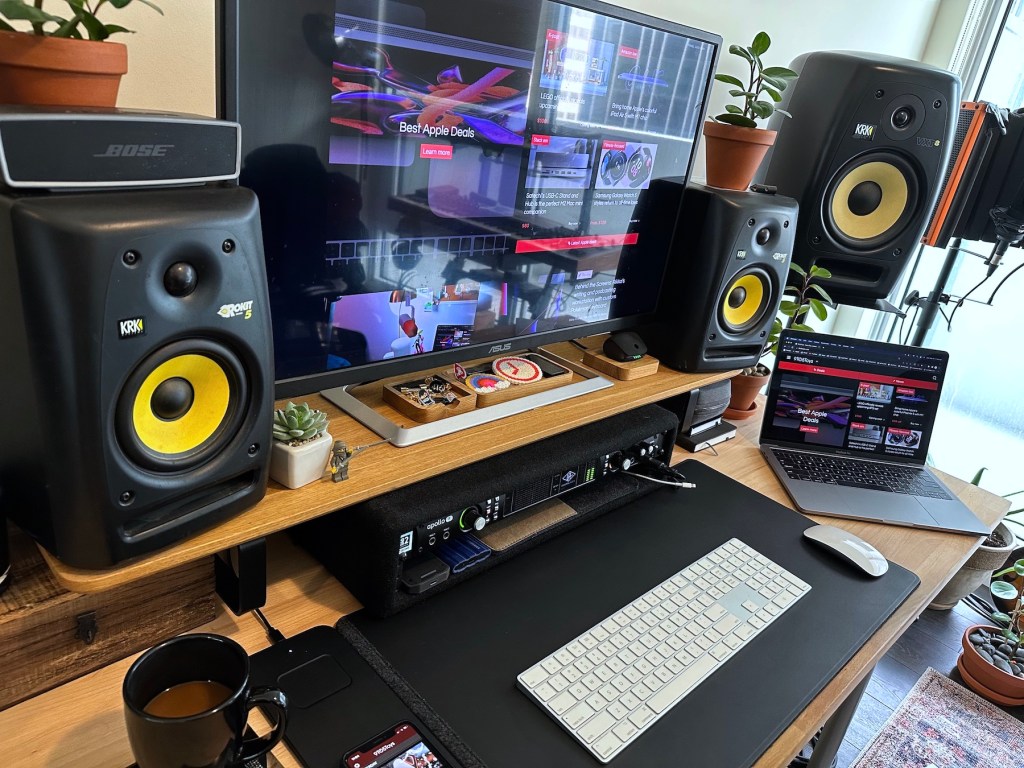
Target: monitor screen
(441, 179)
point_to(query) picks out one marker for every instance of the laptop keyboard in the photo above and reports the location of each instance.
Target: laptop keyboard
(853, 473)
(611, 683)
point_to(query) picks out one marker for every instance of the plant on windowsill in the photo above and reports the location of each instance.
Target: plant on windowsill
(301, 447)
(992, 662)
(735, 144)
(805, 296)
(61, 58)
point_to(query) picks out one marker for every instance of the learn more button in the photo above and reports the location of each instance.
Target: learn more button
(435, 151)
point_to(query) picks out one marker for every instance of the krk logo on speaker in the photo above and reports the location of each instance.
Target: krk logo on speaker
(132, 327)
(242, 309)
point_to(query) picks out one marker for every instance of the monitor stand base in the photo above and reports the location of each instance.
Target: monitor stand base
(402, 435)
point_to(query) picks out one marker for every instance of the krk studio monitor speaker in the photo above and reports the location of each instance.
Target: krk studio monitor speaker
(729, 255)
(137, 357)
(864, 154)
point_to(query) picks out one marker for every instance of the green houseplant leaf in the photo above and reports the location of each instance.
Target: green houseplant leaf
(763, 82)
(78, 20)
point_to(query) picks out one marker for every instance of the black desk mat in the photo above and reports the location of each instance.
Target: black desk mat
(462, 649)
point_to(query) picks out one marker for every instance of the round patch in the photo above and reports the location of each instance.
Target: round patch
(485, 382)
(517, 370)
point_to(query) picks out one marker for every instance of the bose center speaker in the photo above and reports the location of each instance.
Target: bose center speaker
(865, 154)
(729, 255)
(137, 357)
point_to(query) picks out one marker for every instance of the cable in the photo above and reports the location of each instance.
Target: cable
(662, 482)
(961, 300)
(577, 343)
(910, 330)
(273, 634)
(1007, 277)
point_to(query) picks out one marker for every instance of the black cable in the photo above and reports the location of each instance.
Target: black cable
(273, 634)
(960, 302)
(1007, 277)
(910, 330)
(581, 345)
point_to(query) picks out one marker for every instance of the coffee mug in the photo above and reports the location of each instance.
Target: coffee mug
(186, 702)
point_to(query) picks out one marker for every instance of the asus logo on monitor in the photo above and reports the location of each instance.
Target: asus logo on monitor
(136, 150)
(500, 348)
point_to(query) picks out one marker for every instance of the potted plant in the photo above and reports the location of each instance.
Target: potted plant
(992, 553)
(804, 296)
(61, 58)
(735, 145)
(992, 662)
(301, 447)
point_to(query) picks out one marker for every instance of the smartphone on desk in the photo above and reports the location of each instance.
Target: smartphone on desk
(399, 747)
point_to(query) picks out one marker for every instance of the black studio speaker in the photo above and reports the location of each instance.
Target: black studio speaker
(865, 154)
(137, 367)
(729, 255)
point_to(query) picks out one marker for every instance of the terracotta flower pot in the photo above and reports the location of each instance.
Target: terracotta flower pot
(985, 678)
(734, 153)
(59, 71)
(744, 393)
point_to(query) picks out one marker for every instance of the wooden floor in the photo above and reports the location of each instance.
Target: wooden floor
(932, 641)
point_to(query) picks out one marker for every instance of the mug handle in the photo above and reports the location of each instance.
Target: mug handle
(272, 697)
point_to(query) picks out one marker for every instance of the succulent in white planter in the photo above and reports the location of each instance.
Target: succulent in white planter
(301, 447)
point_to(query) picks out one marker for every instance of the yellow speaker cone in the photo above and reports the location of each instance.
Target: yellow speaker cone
(743, 302)
(893, 196)
(174, 430)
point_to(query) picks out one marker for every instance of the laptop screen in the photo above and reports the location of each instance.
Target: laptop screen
(853, 397)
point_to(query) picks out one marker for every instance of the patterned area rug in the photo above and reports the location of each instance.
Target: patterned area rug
(941, 724)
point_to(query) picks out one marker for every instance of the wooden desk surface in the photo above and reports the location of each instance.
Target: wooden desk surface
(81, 725)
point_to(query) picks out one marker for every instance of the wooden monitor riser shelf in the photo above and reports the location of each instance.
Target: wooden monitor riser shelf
(385, 468)
(80, 724)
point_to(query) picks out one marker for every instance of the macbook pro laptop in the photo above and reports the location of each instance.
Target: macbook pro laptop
(846, 429)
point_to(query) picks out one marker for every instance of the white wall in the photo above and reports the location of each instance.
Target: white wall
(171, 58)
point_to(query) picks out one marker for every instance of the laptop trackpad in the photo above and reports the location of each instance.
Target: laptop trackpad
(890, 507)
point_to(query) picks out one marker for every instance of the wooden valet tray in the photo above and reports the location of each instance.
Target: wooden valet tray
(424, 414)
(513, 391)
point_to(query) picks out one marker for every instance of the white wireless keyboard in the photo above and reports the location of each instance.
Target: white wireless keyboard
(610, 684)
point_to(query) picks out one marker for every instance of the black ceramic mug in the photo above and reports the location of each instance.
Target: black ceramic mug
(186, 702)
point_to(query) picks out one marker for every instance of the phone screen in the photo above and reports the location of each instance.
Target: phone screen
(398, 747)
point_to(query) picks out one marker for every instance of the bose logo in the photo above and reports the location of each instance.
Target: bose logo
(234, 310)
(127, 329)
(136, 150)
(500, 348)
(442, 521)
(863, 131)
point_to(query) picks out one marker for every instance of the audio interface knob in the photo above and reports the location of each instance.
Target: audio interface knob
(472, 519)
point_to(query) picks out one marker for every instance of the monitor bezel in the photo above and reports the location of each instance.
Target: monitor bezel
(227, 51)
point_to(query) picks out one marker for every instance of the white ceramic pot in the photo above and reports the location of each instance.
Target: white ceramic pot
(294, 466)
(975, 572)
